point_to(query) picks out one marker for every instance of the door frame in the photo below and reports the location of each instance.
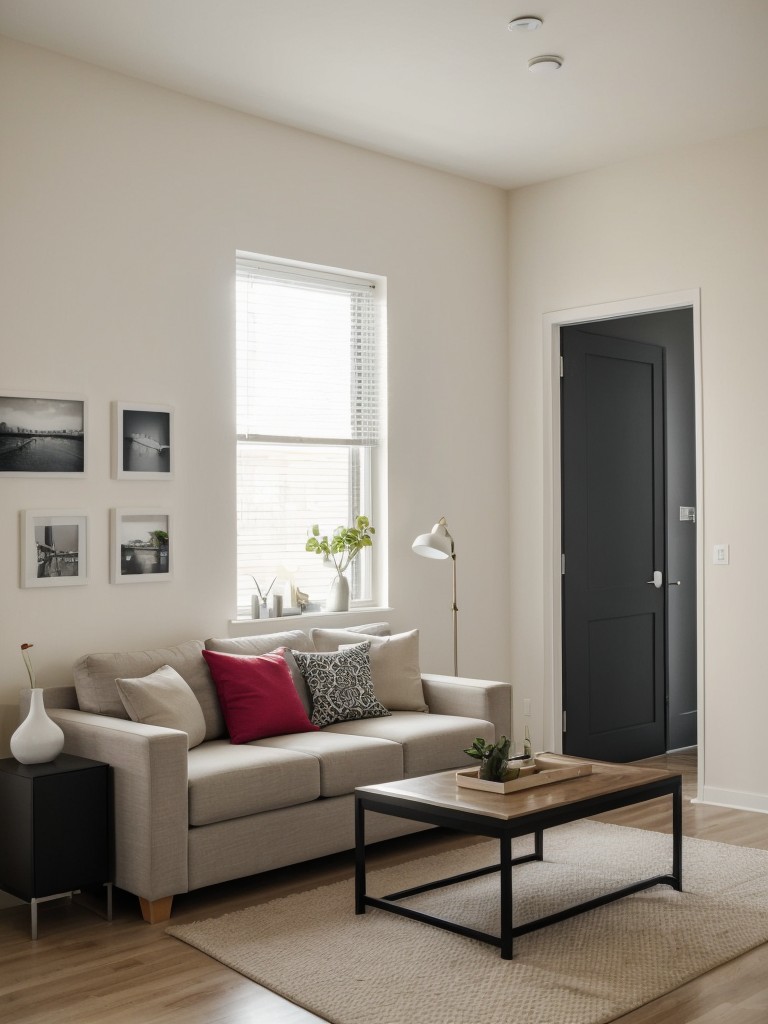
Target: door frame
(553, 597)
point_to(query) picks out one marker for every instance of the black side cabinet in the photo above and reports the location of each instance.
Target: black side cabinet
(55, 824)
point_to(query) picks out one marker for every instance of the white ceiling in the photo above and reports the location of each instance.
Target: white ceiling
(442, 82)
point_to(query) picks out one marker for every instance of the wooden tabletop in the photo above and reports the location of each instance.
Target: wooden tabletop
(442, 790)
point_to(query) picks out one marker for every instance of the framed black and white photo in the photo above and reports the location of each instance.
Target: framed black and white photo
(141, 545)
(142, 441)
(41, 435)
(54, 548)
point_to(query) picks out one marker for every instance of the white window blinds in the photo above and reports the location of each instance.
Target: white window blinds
(308, 420)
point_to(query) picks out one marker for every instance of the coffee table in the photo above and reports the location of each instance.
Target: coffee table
(438, 800)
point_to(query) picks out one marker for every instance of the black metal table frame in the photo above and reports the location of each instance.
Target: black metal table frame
(505, 831)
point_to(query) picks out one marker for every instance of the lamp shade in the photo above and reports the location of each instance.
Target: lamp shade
(437, 544)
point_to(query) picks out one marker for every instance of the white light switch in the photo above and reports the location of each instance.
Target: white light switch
(721, 554)
(526, 706)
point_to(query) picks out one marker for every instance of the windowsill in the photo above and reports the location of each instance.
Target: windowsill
(356, 616)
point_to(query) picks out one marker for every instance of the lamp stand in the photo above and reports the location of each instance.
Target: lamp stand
(439, 544)
(455, 609)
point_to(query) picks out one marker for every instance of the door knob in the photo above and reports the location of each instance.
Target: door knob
(658, 579)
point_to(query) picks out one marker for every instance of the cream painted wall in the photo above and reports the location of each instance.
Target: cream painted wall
(695, 218)
(121, 207)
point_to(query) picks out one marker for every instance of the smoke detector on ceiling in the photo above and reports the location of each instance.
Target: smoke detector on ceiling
(526, 24)
(544, 64)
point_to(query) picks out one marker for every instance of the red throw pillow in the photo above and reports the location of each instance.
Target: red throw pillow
(257, 695)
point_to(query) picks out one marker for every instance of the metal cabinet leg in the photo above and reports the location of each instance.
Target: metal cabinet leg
(43, 899)
(33, 904)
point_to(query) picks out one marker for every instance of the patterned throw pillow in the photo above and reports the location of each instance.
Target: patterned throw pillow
(340, 684)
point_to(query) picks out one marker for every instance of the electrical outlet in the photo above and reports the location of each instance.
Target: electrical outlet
(527, 706)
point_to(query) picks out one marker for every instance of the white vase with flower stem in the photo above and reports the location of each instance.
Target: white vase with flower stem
(38, 739)
(341, 548)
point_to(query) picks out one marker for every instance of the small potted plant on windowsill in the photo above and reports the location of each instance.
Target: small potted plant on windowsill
(341, 548)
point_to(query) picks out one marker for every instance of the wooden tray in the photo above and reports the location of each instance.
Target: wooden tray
(542, 772)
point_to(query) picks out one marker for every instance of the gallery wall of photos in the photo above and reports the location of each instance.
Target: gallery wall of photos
(45, 436)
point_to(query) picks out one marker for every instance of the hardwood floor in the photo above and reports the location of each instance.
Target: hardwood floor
(83, 970)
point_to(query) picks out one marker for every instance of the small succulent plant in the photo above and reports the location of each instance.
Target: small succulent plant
(493, 758)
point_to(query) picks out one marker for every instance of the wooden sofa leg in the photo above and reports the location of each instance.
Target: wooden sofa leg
(156, 911)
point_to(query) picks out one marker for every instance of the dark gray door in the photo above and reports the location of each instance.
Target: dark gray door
(672, 330)
(614, 592)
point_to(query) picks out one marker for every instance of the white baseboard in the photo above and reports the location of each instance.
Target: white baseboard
(734, 798)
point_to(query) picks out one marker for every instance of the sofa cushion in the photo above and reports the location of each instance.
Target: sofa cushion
(340, 684)
(95, 676)
(231, 781)
(330, 639)
(164, 698)
(294, 639)
(431, 743)
(257, 695)
(395, 671)
(345, 761)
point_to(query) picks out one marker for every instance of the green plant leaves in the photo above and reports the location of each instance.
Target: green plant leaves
(346, 542)
(493, 757)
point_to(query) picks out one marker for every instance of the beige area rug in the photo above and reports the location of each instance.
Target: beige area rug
(378, 968)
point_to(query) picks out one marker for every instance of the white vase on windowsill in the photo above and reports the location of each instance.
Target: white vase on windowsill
(338, 596)
(340, 549)
(38, 739)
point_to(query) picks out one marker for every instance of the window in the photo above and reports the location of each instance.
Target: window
(309, 386)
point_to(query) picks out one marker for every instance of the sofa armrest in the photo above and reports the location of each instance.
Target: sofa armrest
(53, 697)
(150, 802)
(473, 698)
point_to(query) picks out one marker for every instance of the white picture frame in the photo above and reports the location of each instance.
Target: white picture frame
(53, 548)
(142, 441)
(136, 555)
(42, 434)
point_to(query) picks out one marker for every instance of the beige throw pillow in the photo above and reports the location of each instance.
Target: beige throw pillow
(95, 676)
(395, 671)
(372, 629)
(164, 698)
(330, 639)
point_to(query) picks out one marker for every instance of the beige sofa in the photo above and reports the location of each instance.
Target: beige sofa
(187, 818)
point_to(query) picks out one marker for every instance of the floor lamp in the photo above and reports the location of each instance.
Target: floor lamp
(439, 544)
